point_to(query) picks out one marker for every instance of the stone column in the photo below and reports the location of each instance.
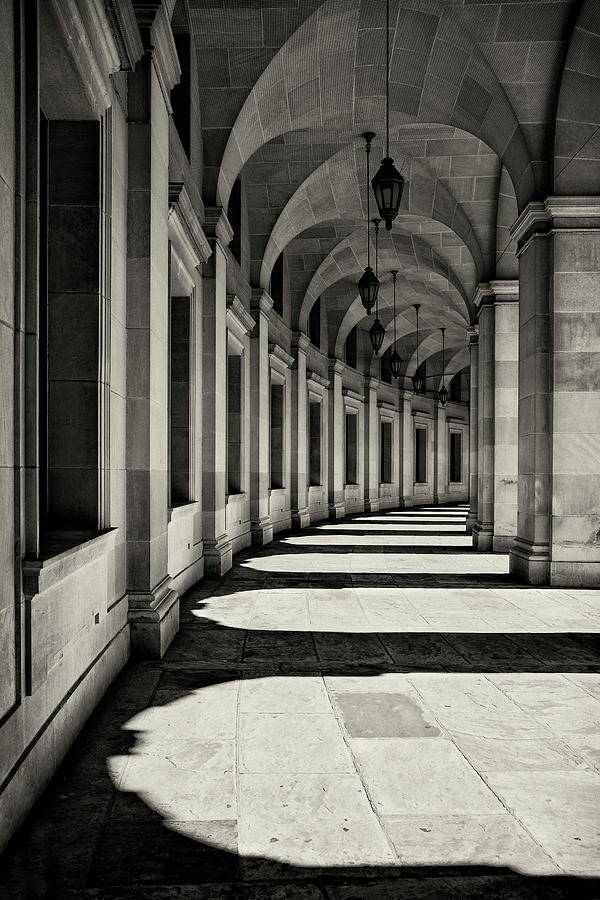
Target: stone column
(483, 528)
(337, 441)
(217, 546)
(440, 484)
(300, 513)
(473, 338)
(405, 434)
(153, 604)
(371, 446)
(558, 528)
(506, 412)
(260, 435)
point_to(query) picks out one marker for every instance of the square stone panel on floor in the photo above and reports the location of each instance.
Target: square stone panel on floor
(310, 820)
(456, 841)
(275, 646)
(209, 714)
(515, 755)
(292, 743)
(419, 775)
(284, 694)
(385, 715)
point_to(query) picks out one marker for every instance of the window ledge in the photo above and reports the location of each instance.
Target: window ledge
(183, 510)
(51, 567)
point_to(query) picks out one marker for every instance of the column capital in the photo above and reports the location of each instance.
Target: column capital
(336, 367)
(157, 38)
(300, 341)
(542, 218)
(217, 226)
(472, 335)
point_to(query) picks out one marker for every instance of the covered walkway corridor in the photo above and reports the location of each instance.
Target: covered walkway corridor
(366, 708)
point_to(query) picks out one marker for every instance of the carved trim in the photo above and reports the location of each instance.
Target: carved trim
(123, 23)
(317, 379)
(278, 356)
(300, 341)
(556, 214)
(353, 395)
(261, 301)
(217, 225)
(186, 223)
(238, 316)
(158, 40)
(386, 405)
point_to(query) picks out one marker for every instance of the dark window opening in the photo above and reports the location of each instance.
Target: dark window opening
(277, 285)
(234, 215)
(421, 455)
(70, 316)
(456, 388)
(314, 324)
(351, 448)
(385, 448)
(455, 457)
(314, 445)
(386, 369)
(350, 349)
(234, 425)
(180, 95)
(180, 359)
(277, 442)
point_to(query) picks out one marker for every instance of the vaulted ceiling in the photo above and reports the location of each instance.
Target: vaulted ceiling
(288, 87)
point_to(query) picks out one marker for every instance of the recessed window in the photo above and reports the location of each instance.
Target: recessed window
(234, 424)
(234, 215)
(314, 323)
(314, 442)
(455, 457)
(456, 388)
(420, 455)
(180, 455)
(277, 285)
(277, 427)
(180, 95)
(351, 448)
(350, 349)
(385, 449)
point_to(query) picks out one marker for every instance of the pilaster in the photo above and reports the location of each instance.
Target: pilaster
(406, 447)
(337, 441)
(440, 484)
(300, 513)
(371, 447)
(473, 339)
(261, 526)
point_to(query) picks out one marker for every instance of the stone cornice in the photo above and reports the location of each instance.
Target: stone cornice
(336, 367)
(238, 316)
(386, 405)
(317, 379)
(300, 341)
(556, 214)
(216, 225)
(260, 301)
(483, 295)
(277, 355)
(353, 395)
(185, 223)
(123, 23)
(499, 291)
(157, 37)
(472, 334)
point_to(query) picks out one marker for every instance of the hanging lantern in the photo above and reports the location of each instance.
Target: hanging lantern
(395, 358)
(368, 284)
(388, 183)
(443, 393)
(418, 380)
(377, 334)
(368, 288)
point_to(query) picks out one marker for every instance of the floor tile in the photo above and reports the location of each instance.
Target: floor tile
(292, 743)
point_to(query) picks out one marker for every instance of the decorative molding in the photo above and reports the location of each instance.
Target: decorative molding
(123, 23)
(279, 358)
(300, 341)
(386, 405)
(217, 225)
(238, 317)
(353, 395)
(506, 288)
(187, 232)
(317, 379)
(472, 335)
(555, 214)
(261, 301)
(336, 367)
(158, 41)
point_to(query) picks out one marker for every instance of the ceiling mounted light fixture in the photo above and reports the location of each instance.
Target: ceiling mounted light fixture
(443, 393)
(377, 331)
(418, 380)
(395, 358)
(368, 285)
(388, 183)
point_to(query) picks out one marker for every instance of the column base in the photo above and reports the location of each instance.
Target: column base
(529, 563)
(218, 555)
(502, 543)
(337, 510)
(262, 531)
(372, 506)
(154, 620)
(483, 537)
(301, 517)
(471, 519)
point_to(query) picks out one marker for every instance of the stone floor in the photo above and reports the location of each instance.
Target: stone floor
(366, 709)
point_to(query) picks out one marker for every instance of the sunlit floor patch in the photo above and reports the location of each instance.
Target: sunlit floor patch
(330, 715)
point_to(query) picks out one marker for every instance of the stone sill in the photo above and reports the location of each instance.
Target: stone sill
(183, 510)
(40, 574)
